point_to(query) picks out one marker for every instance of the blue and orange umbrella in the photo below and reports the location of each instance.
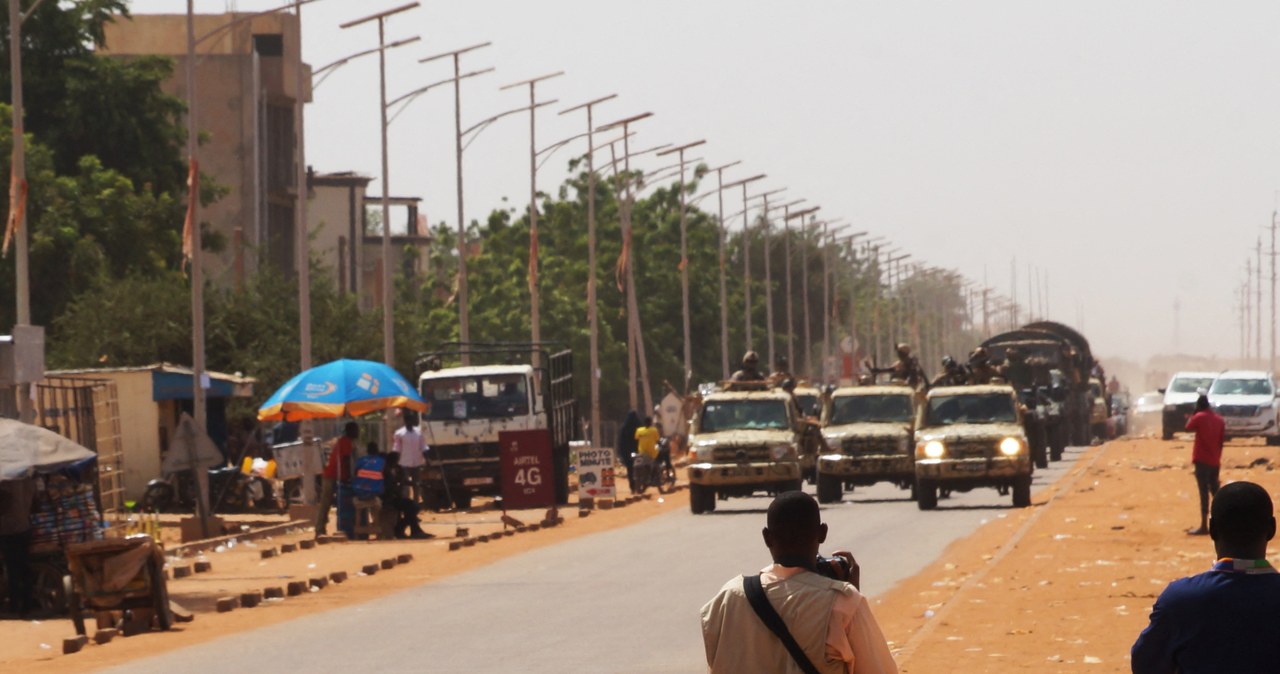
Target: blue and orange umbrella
(340, 389)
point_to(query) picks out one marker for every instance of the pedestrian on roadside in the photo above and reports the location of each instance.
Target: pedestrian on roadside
(1206, 456)
(16, 500)
(337, 470)
(394, 486)
(626, 445)
(412, 448)
(827, 623)
(1222, 620)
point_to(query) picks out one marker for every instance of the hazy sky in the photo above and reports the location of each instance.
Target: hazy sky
(1128, 150)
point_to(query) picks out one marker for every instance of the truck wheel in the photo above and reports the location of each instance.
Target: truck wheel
(797, 485)
(1022, 491)
(926, 494)
(697, 494)
(1273, 440)
(462, 500)
(829, 489)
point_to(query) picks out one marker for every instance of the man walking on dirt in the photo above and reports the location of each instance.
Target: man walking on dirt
(1222, 620)
(1206, 456)
(829, 621)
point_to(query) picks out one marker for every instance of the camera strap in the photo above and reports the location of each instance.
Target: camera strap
(755, 594)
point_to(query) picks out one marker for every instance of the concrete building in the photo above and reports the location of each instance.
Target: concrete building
(246, 94)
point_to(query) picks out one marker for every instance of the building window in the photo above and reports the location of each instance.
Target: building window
(280, 141)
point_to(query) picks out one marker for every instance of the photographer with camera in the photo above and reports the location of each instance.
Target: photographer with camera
(803, 613)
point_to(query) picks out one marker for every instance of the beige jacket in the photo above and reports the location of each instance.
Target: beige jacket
(830, 620)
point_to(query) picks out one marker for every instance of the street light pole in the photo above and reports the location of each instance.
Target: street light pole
(684, 265)
(592, 309)
(388, 317)
(746, 256)
(464, 309)
(17, 225)
(768, 275)
(303, 247)
(535, 319)
(787, 215)
(635, 343)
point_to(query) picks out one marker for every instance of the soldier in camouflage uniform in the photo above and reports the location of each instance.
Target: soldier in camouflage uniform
(953, 373)
(906, 370)
(980, 369)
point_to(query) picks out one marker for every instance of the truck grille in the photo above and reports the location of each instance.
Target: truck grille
(741, 454)
(871, 445)
(1237, 410)
(971, 449)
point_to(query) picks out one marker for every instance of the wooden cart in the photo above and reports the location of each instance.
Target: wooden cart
(121, 580)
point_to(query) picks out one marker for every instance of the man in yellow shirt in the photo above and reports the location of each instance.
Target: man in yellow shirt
(647, 438)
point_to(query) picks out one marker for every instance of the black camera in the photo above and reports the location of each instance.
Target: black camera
(834, 567)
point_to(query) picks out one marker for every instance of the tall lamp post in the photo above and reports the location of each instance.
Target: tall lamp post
(768, 273)
(388, 318)
(746, 254)
(535, 313)
(634, 339)
(464, 318)
(592, 309)
(684, 263)
(787, 215)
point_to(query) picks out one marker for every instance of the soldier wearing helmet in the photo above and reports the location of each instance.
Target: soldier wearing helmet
(953, 373)
(980, 369)
(750, 368)
(1015, 369)
(906, 370)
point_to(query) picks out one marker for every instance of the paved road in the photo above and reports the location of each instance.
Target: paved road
(581, 606)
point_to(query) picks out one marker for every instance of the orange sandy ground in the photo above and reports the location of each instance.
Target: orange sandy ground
(1063, 585)
(1067, 584)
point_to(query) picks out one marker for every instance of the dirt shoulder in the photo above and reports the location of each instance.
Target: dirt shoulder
(1071, 580)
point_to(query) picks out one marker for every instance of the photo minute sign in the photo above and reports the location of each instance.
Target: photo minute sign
(527, 477)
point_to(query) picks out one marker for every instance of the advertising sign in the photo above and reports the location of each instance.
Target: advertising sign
(595, 473)
(528, 480)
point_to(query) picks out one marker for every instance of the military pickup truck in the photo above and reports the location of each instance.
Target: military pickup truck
(744, 442)
(971, 436)
(869, 432)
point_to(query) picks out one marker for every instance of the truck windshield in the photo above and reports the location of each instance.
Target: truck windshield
(1189, 384)
(493, 396)
(1241, 387)
(987, 408)
(870, 409)
(731, 415)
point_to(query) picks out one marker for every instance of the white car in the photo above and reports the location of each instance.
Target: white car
(1180, 400)
(1247, 402)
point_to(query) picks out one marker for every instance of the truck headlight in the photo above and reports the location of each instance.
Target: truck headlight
(1010, 446)
(779, 452)
(934, 449)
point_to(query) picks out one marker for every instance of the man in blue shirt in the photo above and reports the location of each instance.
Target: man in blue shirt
(1223, 620)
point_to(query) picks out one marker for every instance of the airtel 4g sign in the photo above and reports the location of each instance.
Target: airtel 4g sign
(527, 479)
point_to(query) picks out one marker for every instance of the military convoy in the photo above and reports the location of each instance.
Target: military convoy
(977, 427)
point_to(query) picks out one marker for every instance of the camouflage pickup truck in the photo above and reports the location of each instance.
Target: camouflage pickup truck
(971, 436)
(744, 442)
(869, 431)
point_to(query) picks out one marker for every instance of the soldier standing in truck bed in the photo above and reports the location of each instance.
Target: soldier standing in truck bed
(1016, 371)
(953, 373)
(906, 370)
(980, 368)
(750, 368)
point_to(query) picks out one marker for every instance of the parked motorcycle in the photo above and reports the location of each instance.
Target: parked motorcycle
(230, 490)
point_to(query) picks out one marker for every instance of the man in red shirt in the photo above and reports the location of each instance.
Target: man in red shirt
(337, 469)
(1206, 457)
